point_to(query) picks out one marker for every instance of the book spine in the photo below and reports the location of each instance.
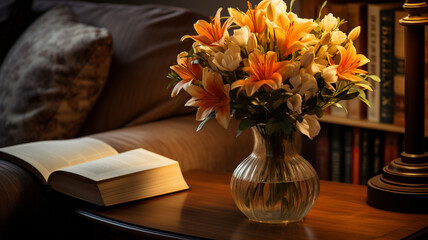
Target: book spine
(323, 153)
(348, 155)
(365, 157)
(373, 53)
(336, 153)
(356, 155)
(387, 60)
(399, 100)
(378, 146)
(391, 149)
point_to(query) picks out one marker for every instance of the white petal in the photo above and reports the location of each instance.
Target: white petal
(309, 126)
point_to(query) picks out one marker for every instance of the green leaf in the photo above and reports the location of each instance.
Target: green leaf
(319, 112)
(323, 5)
(291, 5)
(245, 123)
(286, 127)
(363, 98)
(279, 102)
(172, 83)
(374, 78)
(350, 96)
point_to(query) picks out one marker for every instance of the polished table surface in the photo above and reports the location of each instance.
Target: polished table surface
(207, 211)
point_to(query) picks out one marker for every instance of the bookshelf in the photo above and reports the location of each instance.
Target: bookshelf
(361, 123)
(376, 142)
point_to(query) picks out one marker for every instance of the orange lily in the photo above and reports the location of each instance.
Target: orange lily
(289, 33)
(264, 70)
(349, 63)
(187, 70)
(211, 34)
(213, 96)
(253, 18)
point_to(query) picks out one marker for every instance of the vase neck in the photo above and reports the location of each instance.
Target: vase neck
(276, 144)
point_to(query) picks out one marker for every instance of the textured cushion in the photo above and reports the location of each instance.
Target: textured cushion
(146, 41)
(51, 78)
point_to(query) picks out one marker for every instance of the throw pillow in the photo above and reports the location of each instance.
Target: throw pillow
(146, 42)
(51, 78)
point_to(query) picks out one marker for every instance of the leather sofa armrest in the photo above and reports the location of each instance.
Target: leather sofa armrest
(212, 148)
(23, 202)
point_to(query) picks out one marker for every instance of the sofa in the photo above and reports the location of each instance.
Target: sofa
(111, 85)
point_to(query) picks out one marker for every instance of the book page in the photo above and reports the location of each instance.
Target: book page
(48, 156)
(133, 161)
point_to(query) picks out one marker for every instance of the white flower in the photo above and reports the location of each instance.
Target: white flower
(309, 126)
(229, 60)
(240, 36)
(243, 37)
(294, 103)
(328, 23)
(309, 83)
(338, 37)
(330, 75)
(354, 34)
(308, 62)
(273, 8)
(292, 69)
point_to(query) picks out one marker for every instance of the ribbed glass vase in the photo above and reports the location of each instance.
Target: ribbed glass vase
(274, 184)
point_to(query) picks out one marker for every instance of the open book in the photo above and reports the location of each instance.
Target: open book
(92, 170)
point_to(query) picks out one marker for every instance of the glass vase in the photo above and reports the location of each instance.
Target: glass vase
(274, 184)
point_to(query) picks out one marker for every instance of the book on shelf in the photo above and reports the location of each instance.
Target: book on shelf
(356, 155)
(366, 154)
(347, 155)
(378, 151)
(322, 149)
(391, 148)
(380, 38)
(92, 170)
(399, 100)
(336, 153)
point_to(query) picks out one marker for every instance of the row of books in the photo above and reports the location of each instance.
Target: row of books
(382, 41)
(351, 155)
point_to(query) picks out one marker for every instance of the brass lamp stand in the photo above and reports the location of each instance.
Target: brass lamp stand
(403, 185)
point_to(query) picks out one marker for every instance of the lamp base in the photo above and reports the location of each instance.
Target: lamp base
(402, 187)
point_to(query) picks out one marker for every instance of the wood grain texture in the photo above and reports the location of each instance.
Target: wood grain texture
(208, 211)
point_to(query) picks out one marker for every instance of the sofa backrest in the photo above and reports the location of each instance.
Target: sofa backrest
(146, 41)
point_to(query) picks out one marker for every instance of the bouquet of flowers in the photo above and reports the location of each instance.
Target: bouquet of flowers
(267, 66)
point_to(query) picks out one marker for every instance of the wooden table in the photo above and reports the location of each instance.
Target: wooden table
(208, 211)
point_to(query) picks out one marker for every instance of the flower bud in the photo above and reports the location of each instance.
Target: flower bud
(307, 58)
(270, 12)
(329, 23)
(338, 37)
(355, 33)
(325, 39)
(252, 43)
